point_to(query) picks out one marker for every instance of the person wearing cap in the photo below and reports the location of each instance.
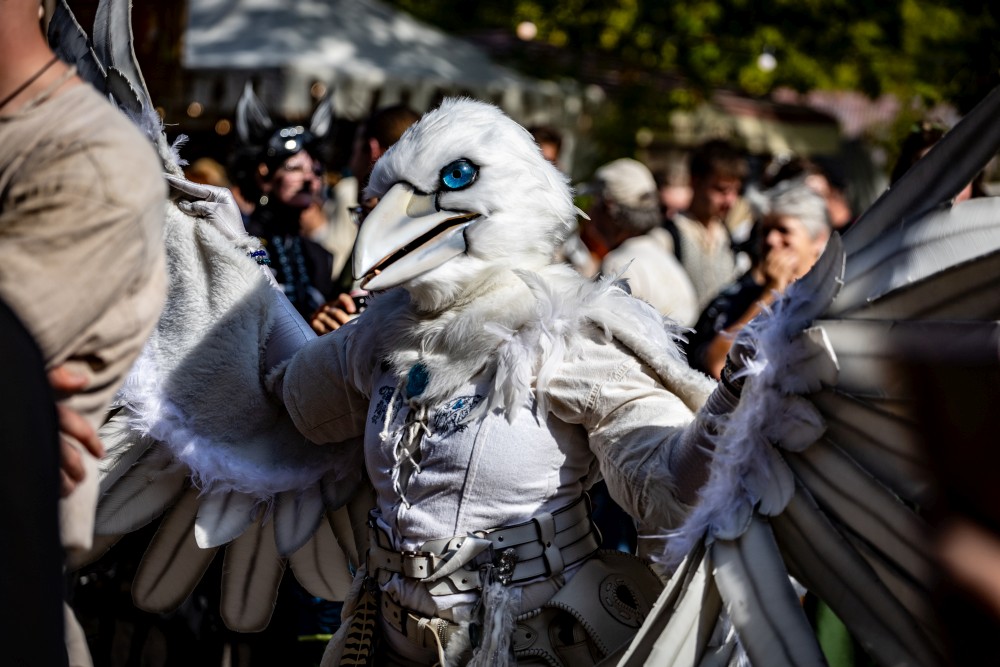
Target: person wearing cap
(626, 213)
(795, 226)
(288, 181)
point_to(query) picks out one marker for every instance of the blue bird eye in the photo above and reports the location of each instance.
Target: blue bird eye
(459, 174)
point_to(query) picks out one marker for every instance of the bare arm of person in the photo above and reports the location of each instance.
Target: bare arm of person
(777, 272)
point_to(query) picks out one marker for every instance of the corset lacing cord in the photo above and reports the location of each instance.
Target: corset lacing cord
(406, 444)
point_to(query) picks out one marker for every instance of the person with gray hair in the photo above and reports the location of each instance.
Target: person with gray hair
(627, 215)
(794, 226)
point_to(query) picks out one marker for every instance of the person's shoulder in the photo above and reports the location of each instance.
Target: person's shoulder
(88, 121)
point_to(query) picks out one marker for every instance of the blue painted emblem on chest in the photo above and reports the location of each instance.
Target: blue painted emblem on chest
(450, 417)
(446, 419)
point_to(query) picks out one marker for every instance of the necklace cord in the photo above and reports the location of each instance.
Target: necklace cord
(31, 79)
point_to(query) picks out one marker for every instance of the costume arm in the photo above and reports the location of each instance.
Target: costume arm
(317, 387)
(310, 376)
(652, 450)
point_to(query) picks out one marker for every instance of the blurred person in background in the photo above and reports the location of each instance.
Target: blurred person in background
(549, 140)
(626, 212)
(917, 143)
(794, 230)
(287, 181)
(207, 171)
(372, 139)
(824, 179)
(674, 185)
(702, 241)
(346, 212)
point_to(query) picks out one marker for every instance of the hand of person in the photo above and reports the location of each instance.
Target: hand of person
(312, 220)
(214, 204)
(333, 314)
(72, 425)
(780, 268)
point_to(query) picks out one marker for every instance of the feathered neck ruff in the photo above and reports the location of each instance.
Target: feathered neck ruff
(517, 329)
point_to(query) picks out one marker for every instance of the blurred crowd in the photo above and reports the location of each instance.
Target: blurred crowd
(709, 241)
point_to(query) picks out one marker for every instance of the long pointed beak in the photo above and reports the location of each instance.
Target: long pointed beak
(404, 236)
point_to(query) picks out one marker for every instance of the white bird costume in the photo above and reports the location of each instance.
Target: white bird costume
(491, 387)
(485, 389)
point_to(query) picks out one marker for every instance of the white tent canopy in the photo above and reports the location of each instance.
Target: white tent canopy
(355, 49)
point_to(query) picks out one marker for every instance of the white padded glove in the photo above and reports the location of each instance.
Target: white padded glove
(213, 204)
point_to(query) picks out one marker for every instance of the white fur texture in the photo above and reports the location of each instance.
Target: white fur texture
(197, 388)
(519, 330)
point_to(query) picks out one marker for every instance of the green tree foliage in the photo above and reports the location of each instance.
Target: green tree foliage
(922, 50)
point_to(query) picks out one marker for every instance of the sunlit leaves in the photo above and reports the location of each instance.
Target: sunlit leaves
(930, 49)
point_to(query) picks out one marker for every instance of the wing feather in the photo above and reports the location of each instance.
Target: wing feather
(222, 517)
(173, 563)
(141, 494)
(911, 593)
(911, 253)
(251, 573)
(113, 44)
(682, 619)
(861, 505)
(760, 600)
(959, 292)
(321, 565)
(297, 514)
(69, 41)
(77, 558)
(884, 444)
(122, 448)
(822, 560)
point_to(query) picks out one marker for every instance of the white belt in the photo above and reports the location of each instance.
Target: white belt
(542, 546)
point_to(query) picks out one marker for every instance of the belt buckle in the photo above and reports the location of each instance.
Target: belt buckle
(412, 555)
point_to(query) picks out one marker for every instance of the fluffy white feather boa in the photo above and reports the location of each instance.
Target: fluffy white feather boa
(197, 386)
(518, 327)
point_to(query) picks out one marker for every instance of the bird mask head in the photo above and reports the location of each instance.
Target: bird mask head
(464, 194)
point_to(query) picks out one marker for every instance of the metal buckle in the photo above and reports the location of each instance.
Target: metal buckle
(505, 564)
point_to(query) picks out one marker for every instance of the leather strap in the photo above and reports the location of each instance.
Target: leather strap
(425, 632)
(543, 546)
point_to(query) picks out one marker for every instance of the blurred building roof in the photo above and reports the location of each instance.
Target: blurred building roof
(361, 51)
(760, 126)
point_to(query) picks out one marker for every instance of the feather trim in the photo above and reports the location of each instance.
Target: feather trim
(498, 628)
(518, 328)
(747, 471)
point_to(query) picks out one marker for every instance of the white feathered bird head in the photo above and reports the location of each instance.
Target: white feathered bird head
(465, 193)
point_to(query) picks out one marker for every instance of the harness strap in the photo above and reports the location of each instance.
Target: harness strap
(423, 631)
(541, 547)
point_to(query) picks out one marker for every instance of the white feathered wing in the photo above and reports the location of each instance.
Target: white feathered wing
(194, 440)
(913, 281)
